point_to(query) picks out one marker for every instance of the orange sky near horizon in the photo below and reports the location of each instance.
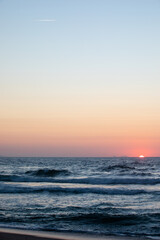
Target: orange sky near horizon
(78, 137)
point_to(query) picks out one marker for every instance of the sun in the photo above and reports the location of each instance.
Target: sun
(141, 156)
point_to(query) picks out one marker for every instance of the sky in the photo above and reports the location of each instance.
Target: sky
(79, 78)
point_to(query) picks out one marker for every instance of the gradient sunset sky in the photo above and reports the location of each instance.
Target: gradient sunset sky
(80, 77)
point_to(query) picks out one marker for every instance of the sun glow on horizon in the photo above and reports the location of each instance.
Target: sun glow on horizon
(141, 156)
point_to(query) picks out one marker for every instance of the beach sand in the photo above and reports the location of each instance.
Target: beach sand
(14, 234)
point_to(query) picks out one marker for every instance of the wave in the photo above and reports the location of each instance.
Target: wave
(48, 172)
(8, 178)
(85, 180)
(117, 167)
(6, 188)
(111, 180)
(98, 216)
(34, 175)
(112, 218)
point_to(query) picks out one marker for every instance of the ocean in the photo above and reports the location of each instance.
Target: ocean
(106, 196)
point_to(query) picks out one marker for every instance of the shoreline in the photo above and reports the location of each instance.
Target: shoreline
(17, 234)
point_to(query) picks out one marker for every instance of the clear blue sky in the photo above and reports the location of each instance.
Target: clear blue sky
(72, 60)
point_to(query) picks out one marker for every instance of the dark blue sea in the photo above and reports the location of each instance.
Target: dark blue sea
(106, 196)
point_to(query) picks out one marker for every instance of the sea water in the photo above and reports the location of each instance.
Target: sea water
(107, 196)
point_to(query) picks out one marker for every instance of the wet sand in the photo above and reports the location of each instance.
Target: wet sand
(14, 234)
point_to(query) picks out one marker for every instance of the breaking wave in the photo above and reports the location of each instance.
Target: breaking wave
(48, 176)
(6, 188)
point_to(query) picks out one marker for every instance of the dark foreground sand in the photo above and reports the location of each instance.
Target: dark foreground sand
(14, 234)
